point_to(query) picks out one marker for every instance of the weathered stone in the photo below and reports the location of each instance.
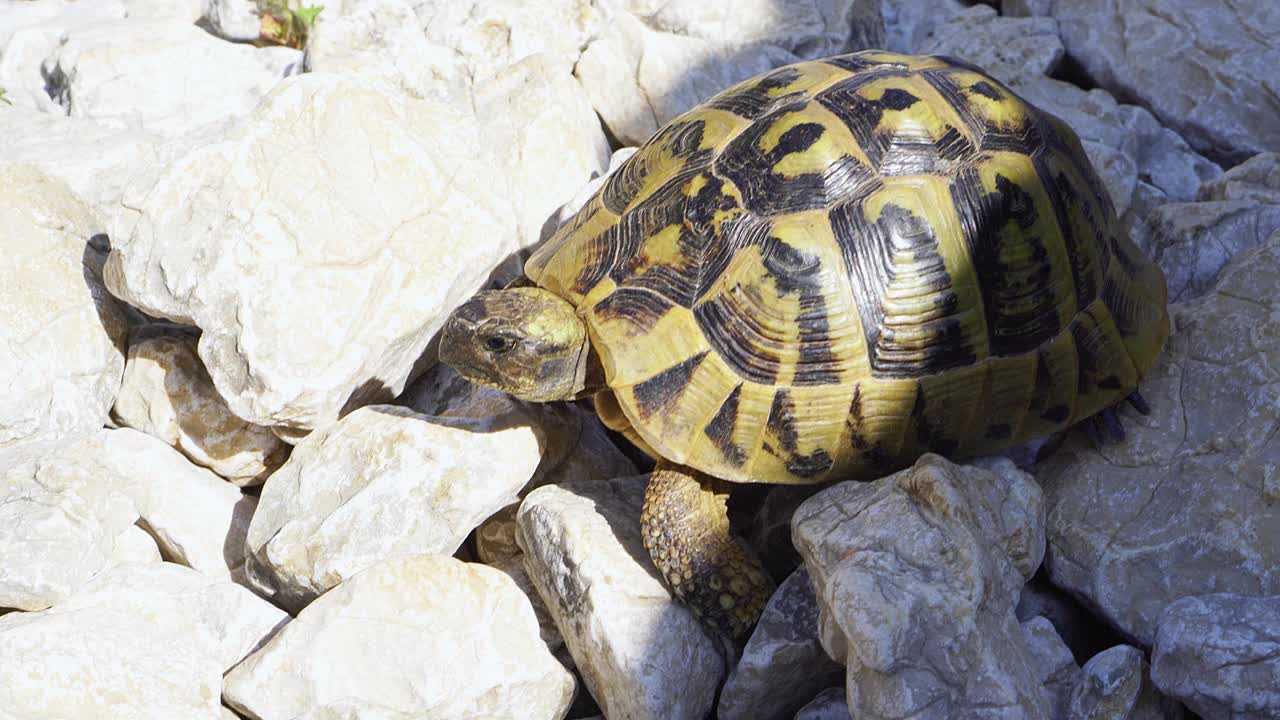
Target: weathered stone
(1220, 655)
(62, 339)
(1053, 664)
(382, 482)
(1114, 686)
(1192, 242)
(1256, 180)
(166, 76)
(31, 31)
(138, 641)
(167, 393)
(640, 653)
(318, 263)
(1083, 632)
(1207, 70)
(1187, 504)
(425, 635)
(134, 546)
(514, 568)
(916, 577)
(1008, 48)
(496, 536)
(643, 69)
(59, 524)
(827, 705)
(233, 19)
(783, 665)
(910, 24)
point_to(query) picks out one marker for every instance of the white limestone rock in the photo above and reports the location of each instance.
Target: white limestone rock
(319, 245)
(167, 393)
(783, 665)
(60, 524)
(640, 653)
(62, 338)
(1187, 505)
(1207, 70)
(423, 635)
(382, 482)
(514, 568)
(916, 577)
(646, 66)
(134, 545)
(382, 38)
(1220, 655)
(233, 19)
(30, 31)
(164, 76)
(138, 641)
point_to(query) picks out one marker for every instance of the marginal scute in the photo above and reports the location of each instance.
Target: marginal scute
(831, 268)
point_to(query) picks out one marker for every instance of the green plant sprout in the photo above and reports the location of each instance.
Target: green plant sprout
(287, 23)
(4, 99)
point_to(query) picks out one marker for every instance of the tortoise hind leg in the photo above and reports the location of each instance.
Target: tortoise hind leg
(1105, 427)
(685, 526)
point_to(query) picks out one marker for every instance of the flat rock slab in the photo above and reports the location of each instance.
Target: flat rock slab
(137, 641)
(423, 635)
(1190, 503)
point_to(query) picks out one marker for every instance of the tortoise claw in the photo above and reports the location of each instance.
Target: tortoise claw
(1139, 403)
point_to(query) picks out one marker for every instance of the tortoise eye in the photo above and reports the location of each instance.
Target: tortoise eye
(499, 343)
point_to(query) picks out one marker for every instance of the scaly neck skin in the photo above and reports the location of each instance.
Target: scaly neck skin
(590, 376)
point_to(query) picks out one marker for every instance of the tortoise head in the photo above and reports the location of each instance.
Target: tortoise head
(526, 341)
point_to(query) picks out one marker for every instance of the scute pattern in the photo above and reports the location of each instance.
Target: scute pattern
(831, 268)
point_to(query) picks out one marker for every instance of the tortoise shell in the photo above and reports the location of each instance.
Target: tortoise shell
(827, 270)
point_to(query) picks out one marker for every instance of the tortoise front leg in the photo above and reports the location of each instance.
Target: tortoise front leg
(685, 525)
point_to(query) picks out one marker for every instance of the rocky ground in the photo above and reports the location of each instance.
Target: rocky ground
(233, 483)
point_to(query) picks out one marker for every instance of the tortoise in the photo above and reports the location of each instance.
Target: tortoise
(820, 274)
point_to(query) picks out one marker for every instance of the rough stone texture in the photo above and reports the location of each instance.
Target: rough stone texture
(1188, 504)
(425, 635)
(1220, 655)
(1083, 632)
(647, 66)
(1007, 48)
(910, 24)
(1205, 69)
(827, 705)
(59, 525)
(640, 653)
(1114, 685)
(137, 641)
(514, 568)
(383, 38)
(165, 76)
(62, 339)
(382, 482)
(319, 245)
(496, 536)
(1193, 241)
(770, 531)
(916, 577)
(1053, 664)
(233, 19)
(167, 393)
(30, 31)
(1255, 180)
(783, 665)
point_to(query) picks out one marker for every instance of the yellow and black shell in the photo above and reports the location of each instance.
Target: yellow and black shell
(827, 270)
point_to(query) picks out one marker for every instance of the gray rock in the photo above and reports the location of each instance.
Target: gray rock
(1187, 505)
(1193, 242)
(1255, 180)
(827, 705)
(640, 653)
(1053, 663)
(916, 577)
(1084, 633)
(1220, 655)
(783, 664)
(909, 24)
(1114, 685)
(1205, 69)
(1007, 47)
